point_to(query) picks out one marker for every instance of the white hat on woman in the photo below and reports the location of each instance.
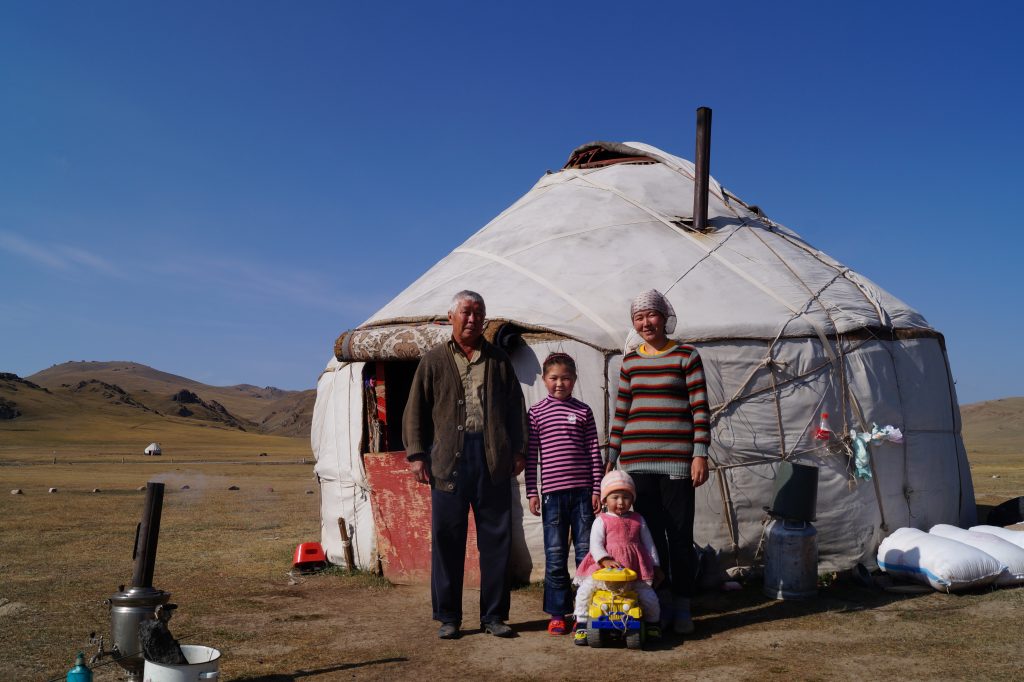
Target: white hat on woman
(651, 299)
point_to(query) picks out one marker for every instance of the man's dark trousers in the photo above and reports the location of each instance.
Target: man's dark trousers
(449, 516)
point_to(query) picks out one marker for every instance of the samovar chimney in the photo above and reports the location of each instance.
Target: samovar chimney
(130, 607)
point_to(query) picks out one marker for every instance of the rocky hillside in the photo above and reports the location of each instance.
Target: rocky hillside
(245, 401)
(90, 386)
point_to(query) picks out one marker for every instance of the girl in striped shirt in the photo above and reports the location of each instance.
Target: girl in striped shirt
(563, 438)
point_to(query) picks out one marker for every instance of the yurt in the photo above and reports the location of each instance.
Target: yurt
(153, 449)
(786, 333)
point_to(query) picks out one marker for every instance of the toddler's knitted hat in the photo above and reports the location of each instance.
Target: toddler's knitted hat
(617, 479)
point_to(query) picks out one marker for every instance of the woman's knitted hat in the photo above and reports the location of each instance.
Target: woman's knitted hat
(616, 479)
(654, 300)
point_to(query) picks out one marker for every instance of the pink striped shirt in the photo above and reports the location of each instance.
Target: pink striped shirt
(563, 438)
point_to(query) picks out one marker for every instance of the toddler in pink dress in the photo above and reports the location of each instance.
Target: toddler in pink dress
(619, 538)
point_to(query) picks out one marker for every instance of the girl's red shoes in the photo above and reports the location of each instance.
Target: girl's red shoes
(556, 626)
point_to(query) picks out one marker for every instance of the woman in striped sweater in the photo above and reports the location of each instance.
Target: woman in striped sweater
(660, 436)
(563, 438)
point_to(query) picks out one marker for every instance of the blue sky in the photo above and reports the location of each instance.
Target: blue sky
(217, 189)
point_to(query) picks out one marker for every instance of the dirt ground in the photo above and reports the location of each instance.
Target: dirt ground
(224, 556)
(339, 628)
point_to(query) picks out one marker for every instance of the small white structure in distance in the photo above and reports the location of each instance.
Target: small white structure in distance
(153, 449)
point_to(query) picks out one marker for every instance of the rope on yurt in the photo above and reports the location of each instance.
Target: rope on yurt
(771, 364)
(842, 270)
(547, 284)
(698, 243)
(813, 295)
(835, 362)
(844, 387)
(703, 258)
(836, 356)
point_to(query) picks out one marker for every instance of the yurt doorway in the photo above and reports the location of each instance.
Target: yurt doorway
(386, 390)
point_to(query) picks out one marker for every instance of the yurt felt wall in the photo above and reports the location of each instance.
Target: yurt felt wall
(786, 332)
(337, 429)
(888, 383)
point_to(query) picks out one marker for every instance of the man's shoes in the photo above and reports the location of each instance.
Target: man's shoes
(449, 631)
(497, 628)
(556, 626)
(682, 624)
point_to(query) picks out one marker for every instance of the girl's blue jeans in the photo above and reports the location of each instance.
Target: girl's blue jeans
(566, 513)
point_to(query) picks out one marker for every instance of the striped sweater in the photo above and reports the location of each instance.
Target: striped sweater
(661, 412)
(563, 437)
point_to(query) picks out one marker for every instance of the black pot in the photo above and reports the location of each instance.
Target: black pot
(795, 495)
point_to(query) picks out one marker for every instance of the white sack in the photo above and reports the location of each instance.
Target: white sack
(1014, 536)
(946, 565)
(1008, 554)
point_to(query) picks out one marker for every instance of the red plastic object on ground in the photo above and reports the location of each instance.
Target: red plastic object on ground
(309, 556)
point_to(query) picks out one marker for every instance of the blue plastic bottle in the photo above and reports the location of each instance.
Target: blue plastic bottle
(81, 672)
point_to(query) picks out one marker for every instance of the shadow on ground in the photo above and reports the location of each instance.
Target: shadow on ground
(300, 674)
(722, 611)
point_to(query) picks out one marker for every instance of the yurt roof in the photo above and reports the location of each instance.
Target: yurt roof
(617, 220)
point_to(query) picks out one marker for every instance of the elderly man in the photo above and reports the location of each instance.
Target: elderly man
(465, 430)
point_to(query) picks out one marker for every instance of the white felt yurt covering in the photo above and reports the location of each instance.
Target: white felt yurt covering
(785, 333)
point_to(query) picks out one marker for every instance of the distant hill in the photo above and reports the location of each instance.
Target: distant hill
(58, 398)
(994, 427)
(133, 385)
(290, 415)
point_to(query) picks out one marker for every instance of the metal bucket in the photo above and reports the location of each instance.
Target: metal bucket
(791, 560)
(203, 666)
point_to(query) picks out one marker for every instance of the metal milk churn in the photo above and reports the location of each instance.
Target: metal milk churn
(791, 544)
(791, 560)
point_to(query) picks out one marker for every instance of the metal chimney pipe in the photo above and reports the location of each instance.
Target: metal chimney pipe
(702, 161)
(147, 536)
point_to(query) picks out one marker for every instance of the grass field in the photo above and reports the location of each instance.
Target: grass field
(64, 553)
(225, 556)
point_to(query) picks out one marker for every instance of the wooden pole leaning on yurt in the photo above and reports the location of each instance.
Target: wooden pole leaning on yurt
(702, 162)
(346, 545)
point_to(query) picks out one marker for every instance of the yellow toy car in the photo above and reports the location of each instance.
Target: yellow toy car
(615, 611)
